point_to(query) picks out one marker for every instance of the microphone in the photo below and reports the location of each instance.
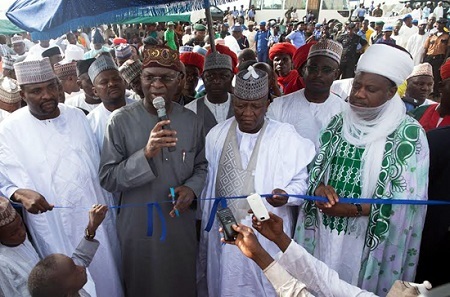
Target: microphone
(160, 104)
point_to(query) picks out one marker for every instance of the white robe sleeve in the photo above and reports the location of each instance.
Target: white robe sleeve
(11, 169)
(285, 285)
(291, 156)
(275, 109)
(316, 275)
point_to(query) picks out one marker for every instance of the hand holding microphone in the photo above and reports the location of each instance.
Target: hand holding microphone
(161, 135)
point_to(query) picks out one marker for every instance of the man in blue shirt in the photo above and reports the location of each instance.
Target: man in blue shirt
(297, 37)
(262, 42)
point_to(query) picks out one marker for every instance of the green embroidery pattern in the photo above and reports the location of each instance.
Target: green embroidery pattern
(342, 159)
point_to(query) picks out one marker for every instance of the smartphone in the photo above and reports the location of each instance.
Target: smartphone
(227, 219)
(258, 207)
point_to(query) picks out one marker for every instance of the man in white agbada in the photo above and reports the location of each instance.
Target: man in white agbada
(415, 44)
(110, 87)
(251, 34)
(406, 31)
(439, 10)
(66, 71)
(371, 150)
(67, 74)
(86, 101)
(49, 156)
(310, 109)
(249, 154)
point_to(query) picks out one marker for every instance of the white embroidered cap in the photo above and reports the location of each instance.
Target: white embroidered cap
(423, 69)
(34, 71)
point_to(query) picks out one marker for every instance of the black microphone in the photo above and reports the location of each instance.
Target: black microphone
(160, 104)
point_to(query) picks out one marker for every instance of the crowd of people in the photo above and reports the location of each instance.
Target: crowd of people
(331, 110)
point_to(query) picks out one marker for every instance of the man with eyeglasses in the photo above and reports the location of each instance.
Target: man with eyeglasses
(215, 107)
(109, 86)
(143, 157)
(310, 109)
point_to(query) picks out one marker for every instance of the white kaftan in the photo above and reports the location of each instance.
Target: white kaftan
(281, 163)
(98, 118)
(16, 264)
(415, 47)
(59, 159)
(80, 102)
(220, 110)
(3, 114)
(306, 271)
(73, 95)
(308, 118)
(405, 33)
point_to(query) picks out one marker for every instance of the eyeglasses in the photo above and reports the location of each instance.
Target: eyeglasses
(165, 79)
(316, 69)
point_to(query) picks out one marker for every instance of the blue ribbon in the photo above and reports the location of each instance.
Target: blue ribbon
(150, 220)
(213, 212)
(223, 202)
(163, 221)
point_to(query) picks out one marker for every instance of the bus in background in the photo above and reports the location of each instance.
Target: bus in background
(322, 9)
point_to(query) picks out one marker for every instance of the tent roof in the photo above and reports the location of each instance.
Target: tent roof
(6, 27)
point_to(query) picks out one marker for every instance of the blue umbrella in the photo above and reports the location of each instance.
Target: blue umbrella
(47, 19)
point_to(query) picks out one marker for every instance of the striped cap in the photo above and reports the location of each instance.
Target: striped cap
(34, 71)
(327, 48)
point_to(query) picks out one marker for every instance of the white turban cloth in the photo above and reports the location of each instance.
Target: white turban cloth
(387, 61)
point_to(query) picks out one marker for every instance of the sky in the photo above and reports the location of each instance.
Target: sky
(4, 5)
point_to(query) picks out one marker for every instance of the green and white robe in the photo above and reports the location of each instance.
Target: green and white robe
(370, 252)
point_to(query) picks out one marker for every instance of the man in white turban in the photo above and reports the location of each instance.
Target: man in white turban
(370, 150)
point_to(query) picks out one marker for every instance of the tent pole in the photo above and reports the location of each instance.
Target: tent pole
(210, 25)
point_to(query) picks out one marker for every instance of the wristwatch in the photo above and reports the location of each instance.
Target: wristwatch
(87, 235)
(359, 209)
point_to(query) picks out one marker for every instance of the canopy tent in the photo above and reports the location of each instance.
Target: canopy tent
(6, 27)
(47, 19)
(184, 17)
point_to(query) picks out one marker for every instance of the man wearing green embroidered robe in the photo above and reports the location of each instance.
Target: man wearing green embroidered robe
(370, 150)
